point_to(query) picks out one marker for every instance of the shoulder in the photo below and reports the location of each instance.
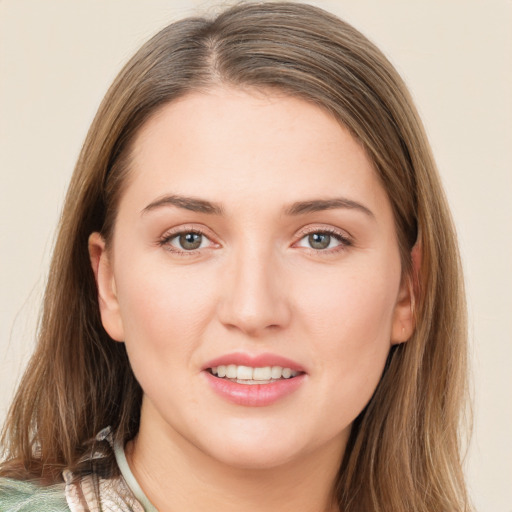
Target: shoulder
(20, 496)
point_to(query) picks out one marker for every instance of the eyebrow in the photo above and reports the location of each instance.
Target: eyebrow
(187, 203)
(299, 208)
(318, 205)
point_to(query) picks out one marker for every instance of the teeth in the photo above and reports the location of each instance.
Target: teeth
(253, 375)
(262, 373)
(231, 371)
(243, 373)
(276, 372)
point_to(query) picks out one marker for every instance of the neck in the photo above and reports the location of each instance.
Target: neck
(177, 476)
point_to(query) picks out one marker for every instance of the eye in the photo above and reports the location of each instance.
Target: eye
(323, 240)
(319, 240)
(186, 241)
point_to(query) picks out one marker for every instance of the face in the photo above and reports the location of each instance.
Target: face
(254, 276)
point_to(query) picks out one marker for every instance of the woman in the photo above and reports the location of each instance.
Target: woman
(256, 287)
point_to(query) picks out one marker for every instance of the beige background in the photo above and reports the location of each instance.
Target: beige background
(57, 58)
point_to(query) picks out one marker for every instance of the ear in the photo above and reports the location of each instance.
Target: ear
(404, 320)
(105, 283)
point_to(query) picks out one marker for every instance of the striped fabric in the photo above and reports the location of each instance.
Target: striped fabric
(86, 494)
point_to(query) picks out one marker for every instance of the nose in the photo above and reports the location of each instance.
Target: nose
(254, 299)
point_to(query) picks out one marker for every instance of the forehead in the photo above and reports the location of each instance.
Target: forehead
(228, 144)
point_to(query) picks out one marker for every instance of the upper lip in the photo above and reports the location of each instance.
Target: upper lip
(254, 361)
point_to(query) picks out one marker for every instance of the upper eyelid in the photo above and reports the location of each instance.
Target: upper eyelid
(188, 228)
(307, 230)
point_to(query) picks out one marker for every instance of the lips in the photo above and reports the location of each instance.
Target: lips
(254, 361)
(248, 380)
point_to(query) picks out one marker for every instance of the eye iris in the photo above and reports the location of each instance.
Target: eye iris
(190, 241)
(319, 240)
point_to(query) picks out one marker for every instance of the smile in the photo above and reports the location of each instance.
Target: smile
(253, 375)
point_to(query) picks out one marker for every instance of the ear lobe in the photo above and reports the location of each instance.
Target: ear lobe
(404, 320)
(105, 283)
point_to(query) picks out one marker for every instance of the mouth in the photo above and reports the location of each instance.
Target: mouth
(254, 380)
(253, 375)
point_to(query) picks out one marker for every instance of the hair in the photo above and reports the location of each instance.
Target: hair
(404, 452)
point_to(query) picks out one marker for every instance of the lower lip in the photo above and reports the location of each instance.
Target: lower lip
(254, 395)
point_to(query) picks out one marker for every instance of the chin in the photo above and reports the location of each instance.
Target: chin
(248, 456)
(260, 446)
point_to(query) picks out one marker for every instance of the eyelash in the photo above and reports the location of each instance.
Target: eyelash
(343, 239)
(165, 241)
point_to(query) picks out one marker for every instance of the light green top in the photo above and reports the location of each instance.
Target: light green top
(119, 494)
(18, 496)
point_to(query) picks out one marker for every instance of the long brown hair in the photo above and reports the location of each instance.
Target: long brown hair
(404, 451)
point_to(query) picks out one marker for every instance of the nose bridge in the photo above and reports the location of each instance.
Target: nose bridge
(254, 297)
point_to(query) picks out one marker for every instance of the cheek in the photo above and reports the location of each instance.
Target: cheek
(164, 311)
(348, 317)
(360, 302)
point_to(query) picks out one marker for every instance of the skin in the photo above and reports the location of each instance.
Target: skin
(254, 286)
